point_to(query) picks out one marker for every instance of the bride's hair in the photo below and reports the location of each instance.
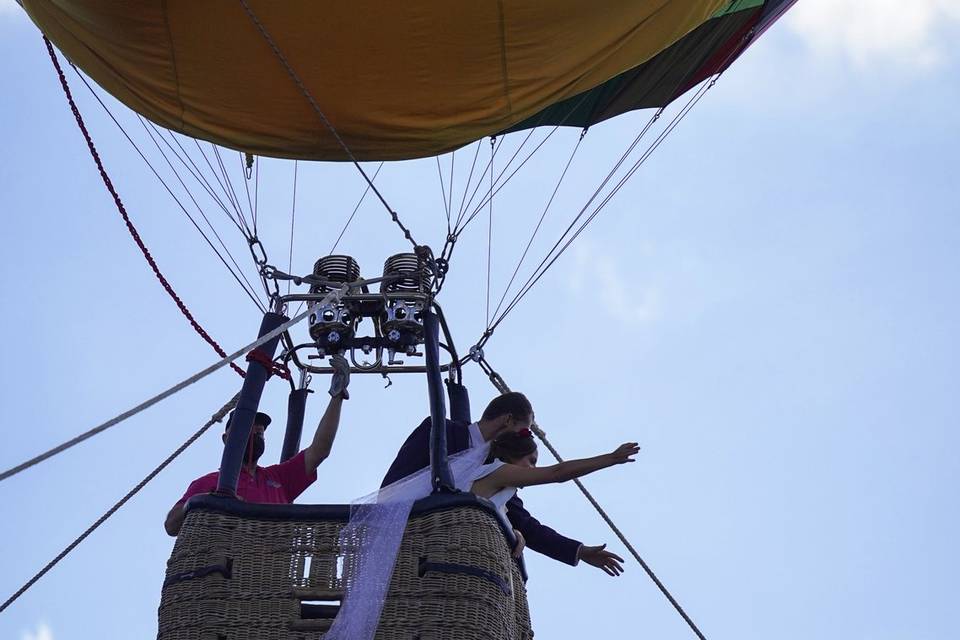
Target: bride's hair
(512, 446)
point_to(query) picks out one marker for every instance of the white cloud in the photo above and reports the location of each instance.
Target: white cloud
(597, 278)
(918, 34)
(42, 632)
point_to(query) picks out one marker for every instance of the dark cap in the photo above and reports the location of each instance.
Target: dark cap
(262, 419)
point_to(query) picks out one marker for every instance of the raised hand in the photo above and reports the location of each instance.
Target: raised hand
(340, 379)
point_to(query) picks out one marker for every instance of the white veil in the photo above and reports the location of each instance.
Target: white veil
(371, 539)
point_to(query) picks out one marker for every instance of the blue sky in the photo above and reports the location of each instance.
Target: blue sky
(771, 305)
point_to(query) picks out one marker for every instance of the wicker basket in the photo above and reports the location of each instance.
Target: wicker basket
(274, 572)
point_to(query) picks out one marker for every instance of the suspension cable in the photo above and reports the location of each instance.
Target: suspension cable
(241, 223)
(443, 193)
(500, 185)
(466, 205)
(293, 218)
(323, 118)
(354, 212)
(623, 180)
(490, 234)
(146, 404)
(123, 212)
(215, 418)
(449, 203)
(196, 172)
(231, 192)
(447, 252)
(453, 235)
(466, 188)
(583, 209)
(458, 228)
(225, 184)
(705, 86)
(506, 167)
(574, 107)
(502, 387)
(239, 271)
(536, 230)
(238, 274)
(246, 188)
(256, 193)
(345, 226)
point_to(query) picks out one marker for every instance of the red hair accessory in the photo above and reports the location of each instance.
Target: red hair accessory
(525, 433)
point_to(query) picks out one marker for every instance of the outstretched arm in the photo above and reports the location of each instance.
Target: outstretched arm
(511, 475)
(326, 432)
(541, 538)
(323, 438)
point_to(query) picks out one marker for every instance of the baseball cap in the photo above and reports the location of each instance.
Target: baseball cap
(261, 418)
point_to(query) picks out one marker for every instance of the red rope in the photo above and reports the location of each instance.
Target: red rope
(123, 212)
(273, 368)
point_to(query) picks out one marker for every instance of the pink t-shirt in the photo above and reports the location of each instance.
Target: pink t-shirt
(277, 484)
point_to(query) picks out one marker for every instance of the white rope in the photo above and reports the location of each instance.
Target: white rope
(502, 387)
(217, 417)
(334, 295)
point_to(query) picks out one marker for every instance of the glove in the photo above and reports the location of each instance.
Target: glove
(340, 379)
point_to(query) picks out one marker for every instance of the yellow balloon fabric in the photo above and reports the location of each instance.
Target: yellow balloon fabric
(397, 80)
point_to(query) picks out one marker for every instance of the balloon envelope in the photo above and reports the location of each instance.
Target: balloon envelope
(708, 49)
(396, 79)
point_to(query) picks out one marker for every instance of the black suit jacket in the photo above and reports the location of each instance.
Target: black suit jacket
(415, 455)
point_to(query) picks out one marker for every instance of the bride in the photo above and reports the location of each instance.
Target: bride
(377, 522)
(512, 464)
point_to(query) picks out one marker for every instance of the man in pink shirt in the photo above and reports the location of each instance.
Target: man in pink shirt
(279, 483)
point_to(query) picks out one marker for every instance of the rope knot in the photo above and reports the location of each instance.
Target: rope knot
(273, 368)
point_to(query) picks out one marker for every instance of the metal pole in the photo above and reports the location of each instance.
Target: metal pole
(438, 430)
(459, 402)
(296, 407)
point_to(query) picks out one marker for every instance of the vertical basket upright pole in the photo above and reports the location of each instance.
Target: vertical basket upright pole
(296, 408)
(440, 470)
(246, 411)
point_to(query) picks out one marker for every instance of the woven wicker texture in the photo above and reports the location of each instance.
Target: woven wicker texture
(275, 565)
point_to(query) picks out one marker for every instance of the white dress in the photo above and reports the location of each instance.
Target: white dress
(377, 522)
(500, 498)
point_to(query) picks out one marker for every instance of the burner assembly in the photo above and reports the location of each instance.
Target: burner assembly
(405, 286)
(382, 324)
(332, 324)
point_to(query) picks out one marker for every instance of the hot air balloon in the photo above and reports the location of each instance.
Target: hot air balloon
(358, 82)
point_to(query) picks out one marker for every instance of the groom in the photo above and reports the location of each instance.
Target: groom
(508, 412)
